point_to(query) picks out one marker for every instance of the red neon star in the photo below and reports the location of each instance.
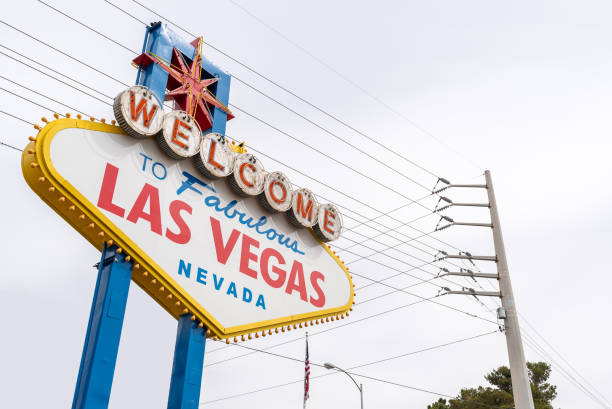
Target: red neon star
(185, 85)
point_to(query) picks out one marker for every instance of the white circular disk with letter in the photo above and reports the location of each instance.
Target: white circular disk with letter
(304, 208)
(277, 194)
(138, 112)
(248, 177)
(180, 136)
(329, 223)
(216, 159)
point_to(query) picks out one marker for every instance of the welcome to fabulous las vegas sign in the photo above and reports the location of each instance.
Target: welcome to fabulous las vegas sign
(210, 231)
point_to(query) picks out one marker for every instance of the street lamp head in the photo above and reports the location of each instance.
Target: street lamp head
(329, 365)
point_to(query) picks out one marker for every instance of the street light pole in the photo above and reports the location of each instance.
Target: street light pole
(358, 385)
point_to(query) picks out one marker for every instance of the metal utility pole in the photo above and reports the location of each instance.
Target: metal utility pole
(518, 368)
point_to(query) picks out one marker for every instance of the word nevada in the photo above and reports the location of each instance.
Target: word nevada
(140, 114)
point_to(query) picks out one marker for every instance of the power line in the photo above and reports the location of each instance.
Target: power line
(262, 76)
(86, 26)
(331, 133)
(26, 99)
(278, 102)
(10, 146)
(42, 106)
(52, 70)
(351, 82)
(533, 345)
(125, 84)
(268, 79)
(326, 330)
(373, 280)
(352, 322)
(355, 274)
(359, 366)
(62, 52)
(331, 158)
(16, 117)
(563, 359)
(41, 94)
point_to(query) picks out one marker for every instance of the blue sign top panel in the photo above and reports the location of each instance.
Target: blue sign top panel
(160, 41)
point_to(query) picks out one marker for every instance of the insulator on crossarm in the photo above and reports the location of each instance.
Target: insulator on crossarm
(443, 180)
(444, 227)
(435, 192)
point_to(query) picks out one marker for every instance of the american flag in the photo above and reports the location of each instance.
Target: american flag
(306, 374)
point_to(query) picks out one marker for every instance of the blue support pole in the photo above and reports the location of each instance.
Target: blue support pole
(186, 379)
(97, 368)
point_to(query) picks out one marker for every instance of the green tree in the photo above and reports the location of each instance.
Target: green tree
(440, 404)
(500, 394)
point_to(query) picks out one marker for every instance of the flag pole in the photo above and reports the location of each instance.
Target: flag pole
(306, 373)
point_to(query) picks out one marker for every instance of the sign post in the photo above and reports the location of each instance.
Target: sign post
(97, 368)
(187, 367)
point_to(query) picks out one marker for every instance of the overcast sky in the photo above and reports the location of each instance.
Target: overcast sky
(521, 88)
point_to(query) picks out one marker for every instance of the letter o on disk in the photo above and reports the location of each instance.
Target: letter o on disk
(180, 136)
(138, 111)
(216, 159)
(277, 194)
(247, 178)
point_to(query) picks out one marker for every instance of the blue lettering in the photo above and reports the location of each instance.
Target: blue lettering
(217, 284)
(294, 247)
(242, 215)
(144, 162)
(260, 302)
(245, 292)
(229, 206)
(280, 240)
(201, 277)
(155, 165)
(262, 220)
(185, 269)
(213, 201)
(232, 290)
(190, 181)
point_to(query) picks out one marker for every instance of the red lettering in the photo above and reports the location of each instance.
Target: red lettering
(176, 133)
(109, 182)
(246, 256)
(264, 265)
(142, 107)
(277, 200)
(223, 251)
(320, 300)
(300, 207)
(184, 233)
(297, 272)
(211, 156)
(241, 171)
(147, 194)
(327, 222)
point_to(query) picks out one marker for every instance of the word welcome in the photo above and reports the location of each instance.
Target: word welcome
(140, 114)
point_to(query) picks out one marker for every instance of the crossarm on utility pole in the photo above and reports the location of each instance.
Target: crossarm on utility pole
(476, 293)
(468, 274)
(466, 257)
